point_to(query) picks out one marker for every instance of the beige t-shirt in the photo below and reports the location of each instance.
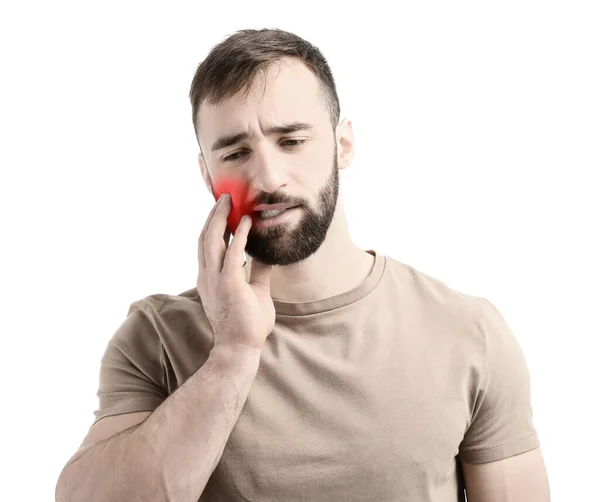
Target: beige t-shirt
(371, 395)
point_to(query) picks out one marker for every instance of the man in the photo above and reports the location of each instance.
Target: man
(314, 370)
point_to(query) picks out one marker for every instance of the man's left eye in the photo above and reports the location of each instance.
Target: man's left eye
(295, 142)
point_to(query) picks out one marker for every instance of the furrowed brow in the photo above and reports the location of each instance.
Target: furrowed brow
(232, 139)
(288, 128)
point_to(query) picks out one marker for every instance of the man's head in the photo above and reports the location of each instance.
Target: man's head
(265, 111)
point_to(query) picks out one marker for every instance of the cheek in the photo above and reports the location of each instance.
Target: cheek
(239, 191)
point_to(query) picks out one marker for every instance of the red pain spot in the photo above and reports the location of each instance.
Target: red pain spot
(240, 202)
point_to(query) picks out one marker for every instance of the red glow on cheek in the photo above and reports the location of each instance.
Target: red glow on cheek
(239, 191)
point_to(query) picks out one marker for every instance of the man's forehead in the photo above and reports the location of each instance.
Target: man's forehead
(290, 93)
(275, 101)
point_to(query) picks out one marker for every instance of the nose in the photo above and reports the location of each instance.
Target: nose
(267, 173)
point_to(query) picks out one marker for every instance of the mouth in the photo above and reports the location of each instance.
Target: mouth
(269, 218)
(267, 212)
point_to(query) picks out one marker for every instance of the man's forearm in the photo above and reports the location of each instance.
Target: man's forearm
(172, 454)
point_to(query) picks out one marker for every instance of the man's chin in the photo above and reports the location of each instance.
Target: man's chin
(277, 260)
(281, 259)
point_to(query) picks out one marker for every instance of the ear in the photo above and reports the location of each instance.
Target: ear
(205, 173)
(345, 143)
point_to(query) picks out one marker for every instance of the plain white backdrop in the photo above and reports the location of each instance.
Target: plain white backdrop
(477, 158)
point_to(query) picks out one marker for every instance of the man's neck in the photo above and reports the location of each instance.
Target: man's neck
(337, 266)
(321, 278)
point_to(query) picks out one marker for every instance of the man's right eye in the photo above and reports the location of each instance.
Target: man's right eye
(232, 157)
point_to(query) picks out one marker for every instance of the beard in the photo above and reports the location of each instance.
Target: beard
(280, 245)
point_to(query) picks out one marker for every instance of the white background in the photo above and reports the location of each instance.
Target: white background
(477, 127)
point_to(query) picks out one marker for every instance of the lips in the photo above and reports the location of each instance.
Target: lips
(260, 221)
(273, 207)
(272, 215)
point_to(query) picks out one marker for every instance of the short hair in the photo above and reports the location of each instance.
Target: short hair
(232, 65)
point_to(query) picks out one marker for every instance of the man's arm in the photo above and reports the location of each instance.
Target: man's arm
(172, 454)
(521, 478)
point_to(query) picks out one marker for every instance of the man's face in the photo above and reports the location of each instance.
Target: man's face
(297, 166)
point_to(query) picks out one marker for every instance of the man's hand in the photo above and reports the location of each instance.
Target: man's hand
(241, 313)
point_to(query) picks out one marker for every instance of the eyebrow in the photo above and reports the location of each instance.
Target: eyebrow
(232, 139)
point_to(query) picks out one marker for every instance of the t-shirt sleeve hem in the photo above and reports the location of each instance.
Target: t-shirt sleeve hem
(128, 407)
(499, 452)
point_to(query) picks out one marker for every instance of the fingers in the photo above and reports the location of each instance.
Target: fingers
(214, 240)
(234, 257)
(205, 231)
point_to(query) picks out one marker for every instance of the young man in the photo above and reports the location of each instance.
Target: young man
(314, 370)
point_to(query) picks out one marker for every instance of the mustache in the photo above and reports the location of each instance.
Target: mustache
(275, 198)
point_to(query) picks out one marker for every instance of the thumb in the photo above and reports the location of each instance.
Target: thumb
(260, 275)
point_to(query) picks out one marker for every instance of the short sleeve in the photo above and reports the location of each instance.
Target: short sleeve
(131, 370)
(501, 424)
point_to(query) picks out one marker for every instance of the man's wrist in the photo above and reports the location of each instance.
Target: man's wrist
(228, 354)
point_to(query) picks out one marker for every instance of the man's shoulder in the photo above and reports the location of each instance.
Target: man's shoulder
(432, 291)
(177, 320)
(161, 303)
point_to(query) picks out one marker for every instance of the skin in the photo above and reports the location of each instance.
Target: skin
(521, 478)
(313, 253)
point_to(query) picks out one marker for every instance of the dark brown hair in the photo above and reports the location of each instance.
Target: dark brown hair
(232, 65)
